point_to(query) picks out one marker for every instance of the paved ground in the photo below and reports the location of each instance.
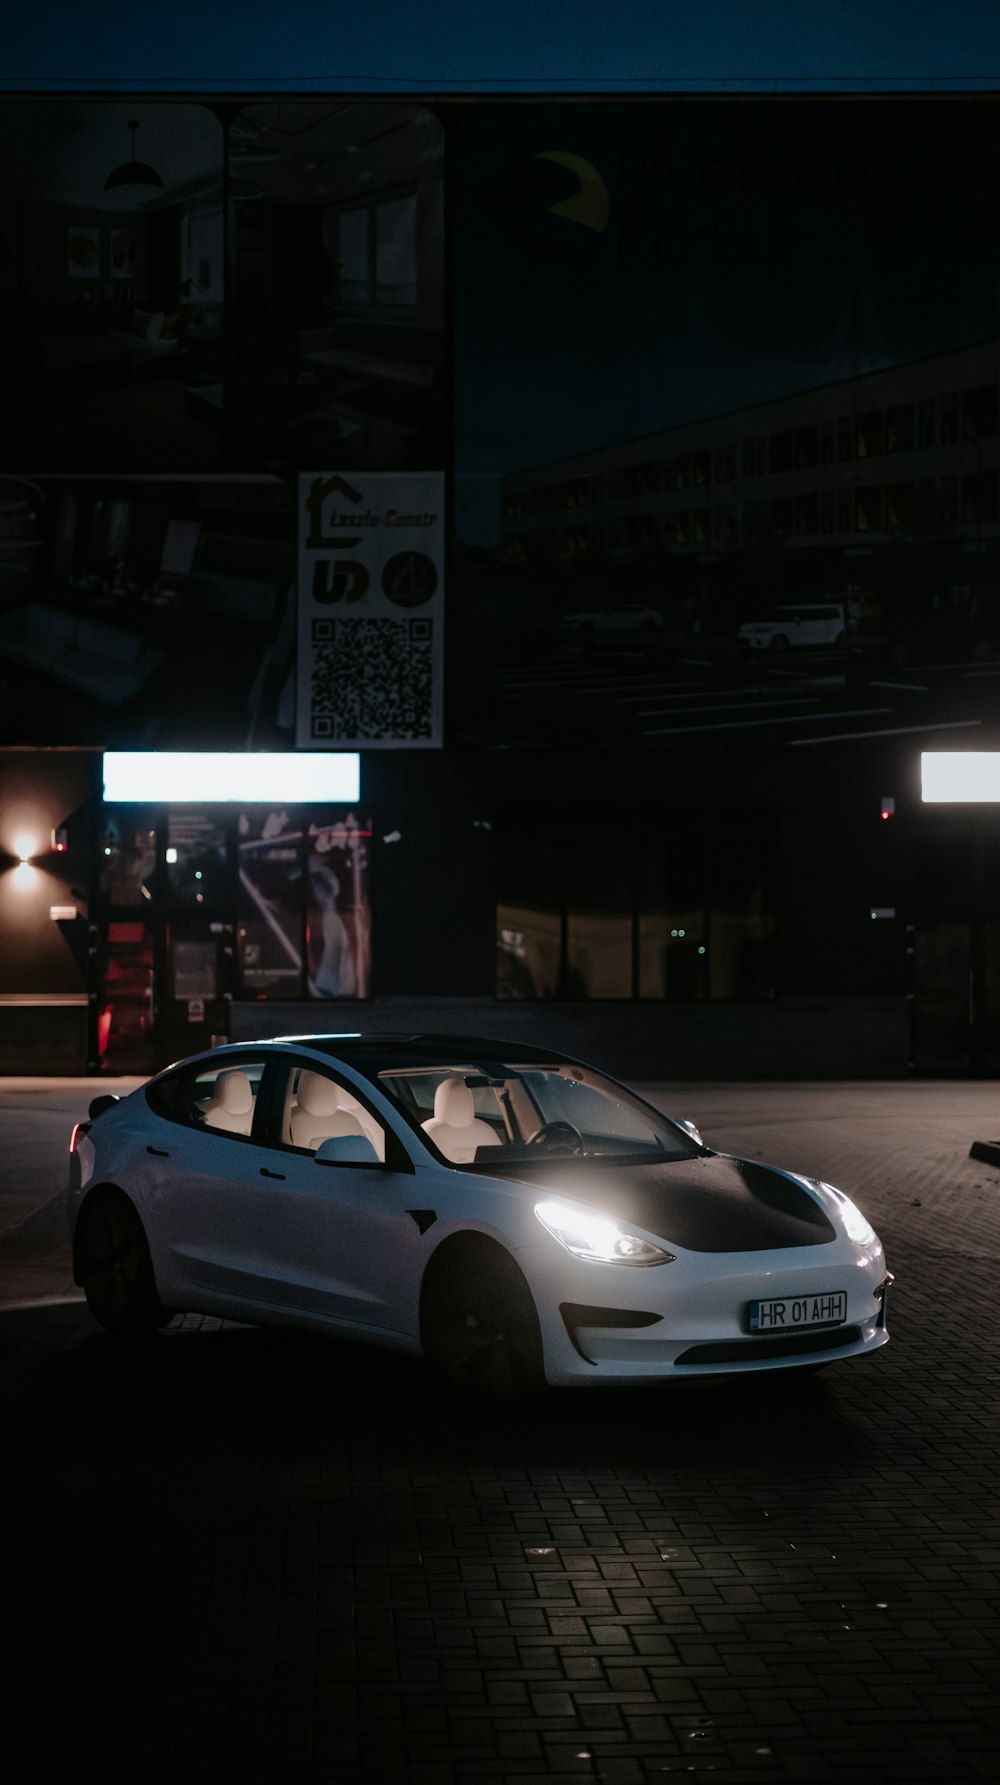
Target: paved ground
(241, 1555)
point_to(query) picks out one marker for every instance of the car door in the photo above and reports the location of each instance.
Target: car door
(206, 1198)
(345, 1240)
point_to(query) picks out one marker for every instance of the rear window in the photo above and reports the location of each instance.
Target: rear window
(197, 1097)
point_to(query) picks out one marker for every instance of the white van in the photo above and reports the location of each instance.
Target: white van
(801, 623)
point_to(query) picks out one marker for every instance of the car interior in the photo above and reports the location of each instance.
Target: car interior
(317, 1109)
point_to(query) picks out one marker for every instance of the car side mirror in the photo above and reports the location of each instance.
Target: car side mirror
(98, 1105)
(692, 1129)
(346, 1149)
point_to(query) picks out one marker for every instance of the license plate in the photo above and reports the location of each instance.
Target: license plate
(781, 1314)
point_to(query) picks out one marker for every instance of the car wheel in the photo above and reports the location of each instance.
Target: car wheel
(479, 1324)
(115, 1267)
(840, 641)
(778, 643)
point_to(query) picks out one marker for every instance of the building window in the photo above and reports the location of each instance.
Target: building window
(949, 419)
(781, 455)
(868, 434)
(682, 915)
(806, 515)
(901, 508)
(806, 448)
(845, 439)
(899, 428)
(868, 510)
(979, 498)
(782, 517)
(926, 430)
(948, 503)
(376, 247)
(827, 443)
(979, 413)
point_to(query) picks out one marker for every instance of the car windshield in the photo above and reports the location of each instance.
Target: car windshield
(508, 1115)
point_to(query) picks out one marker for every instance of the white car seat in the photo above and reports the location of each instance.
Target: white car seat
(317, 1115)
(454, 1127)
(231, 1103)
(369, 1126)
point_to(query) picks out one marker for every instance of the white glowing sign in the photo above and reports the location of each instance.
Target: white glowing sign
(164, 777)
(960, 775)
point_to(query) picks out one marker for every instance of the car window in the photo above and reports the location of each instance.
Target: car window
(316, 1106)
(497, 1114)
(219, 1096)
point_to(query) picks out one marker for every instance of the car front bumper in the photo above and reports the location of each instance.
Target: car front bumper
(611, 1323)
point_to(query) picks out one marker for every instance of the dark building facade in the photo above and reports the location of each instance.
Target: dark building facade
(386, 428)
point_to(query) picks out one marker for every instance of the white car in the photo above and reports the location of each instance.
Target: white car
(799, 625)
(512, 1215)
(628, 617)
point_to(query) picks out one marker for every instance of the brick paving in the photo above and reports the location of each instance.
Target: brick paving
(235, 1554)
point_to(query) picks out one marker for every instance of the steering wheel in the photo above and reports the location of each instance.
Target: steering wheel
(558, 1137)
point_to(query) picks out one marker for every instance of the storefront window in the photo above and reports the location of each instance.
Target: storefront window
(669, 915)
(127, 858)
(270, 913)
(338, 919)
(197, 866)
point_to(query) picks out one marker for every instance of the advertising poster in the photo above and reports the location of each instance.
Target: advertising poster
(371, 610)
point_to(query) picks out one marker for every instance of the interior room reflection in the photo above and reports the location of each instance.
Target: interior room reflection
(149, 612)
(111, 285)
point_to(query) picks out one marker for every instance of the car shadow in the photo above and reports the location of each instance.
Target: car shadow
(263, 1390)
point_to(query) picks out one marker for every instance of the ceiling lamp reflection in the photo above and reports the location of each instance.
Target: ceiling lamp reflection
(133, 173)
(960, 776)
(193, 777)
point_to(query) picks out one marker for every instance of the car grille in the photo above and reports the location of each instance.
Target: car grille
(745, 1351)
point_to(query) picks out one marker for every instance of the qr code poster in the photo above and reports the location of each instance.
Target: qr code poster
(371, 610)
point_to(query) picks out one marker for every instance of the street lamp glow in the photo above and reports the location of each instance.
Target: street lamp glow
(960, 776)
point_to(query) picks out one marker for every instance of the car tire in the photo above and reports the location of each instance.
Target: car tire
(840, 641)
(778, 644)
(115, 1268)
(479, 1324)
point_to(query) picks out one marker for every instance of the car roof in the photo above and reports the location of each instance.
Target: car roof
(420, 1046)
(427, 1046)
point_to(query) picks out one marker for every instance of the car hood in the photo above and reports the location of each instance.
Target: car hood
(712, 1203)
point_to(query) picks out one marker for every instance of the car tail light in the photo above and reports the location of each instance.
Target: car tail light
(78, 1129)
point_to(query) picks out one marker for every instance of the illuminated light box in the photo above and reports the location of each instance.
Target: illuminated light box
(960, 776)
(167, 777)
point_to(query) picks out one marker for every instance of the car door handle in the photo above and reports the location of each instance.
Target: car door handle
(158, 1153)
(271, 1174)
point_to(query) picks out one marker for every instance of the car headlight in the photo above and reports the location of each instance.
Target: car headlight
(597, 1237)
(856, 1225)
